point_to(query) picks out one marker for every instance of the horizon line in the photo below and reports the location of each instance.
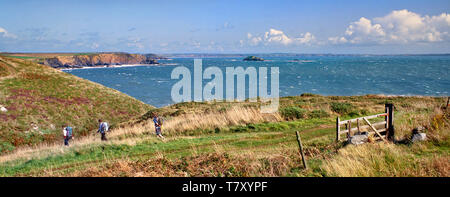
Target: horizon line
(241, 53)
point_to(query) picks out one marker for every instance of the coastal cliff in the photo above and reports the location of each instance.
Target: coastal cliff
(100, 59)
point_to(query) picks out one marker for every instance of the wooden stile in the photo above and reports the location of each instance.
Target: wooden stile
(387, 132)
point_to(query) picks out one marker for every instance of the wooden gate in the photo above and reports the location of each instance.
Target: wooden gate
(362, 123)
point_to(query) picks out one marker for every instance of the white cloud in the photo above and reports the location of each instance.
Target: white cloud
(278, 37)
(399, 26)
(6, 34)
(254, 40)
(337, 40)
(306, 38)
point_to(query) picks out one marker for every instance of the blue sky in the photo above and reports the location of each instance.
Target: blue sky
(377, 27)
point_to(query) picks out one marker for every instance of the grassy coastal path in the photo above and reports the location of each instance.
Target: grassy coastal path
(234, 139)
(40, 99)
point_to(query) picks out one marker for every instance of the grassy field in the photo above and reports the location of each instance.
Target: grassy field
(40, 100)
(234, 139)
(39, 55)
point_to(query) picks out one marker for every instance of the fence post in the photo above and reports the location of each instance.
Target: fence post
(301, 150)
(338, 129)
(357, 125)
(448, 101)
(390, 131)
(349, 134)
(386, 118)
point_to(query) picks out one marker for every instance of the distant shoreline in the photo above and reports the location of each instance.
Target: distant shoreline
(114, 66)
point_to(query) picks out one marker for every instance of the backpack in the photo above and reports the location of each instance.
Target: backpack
(105, 126)
(160, 121)
(69, 131)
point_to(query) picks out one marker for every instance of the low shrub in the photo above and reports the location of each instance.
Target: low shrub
(364, 112)
(292, 113)
(354, 114)
(308, 95)
(341, 108)
(318, 114)
(6, 147)
(178, 112)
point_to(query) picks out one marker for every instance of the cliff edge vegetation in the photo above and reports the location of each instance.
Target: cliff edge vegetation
(223, 139)
(39, 100)
(77, 60)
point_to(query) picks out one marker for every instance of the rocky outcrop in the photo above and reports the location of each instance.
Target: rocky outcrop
(100, 59)
(154, 56)
(253, 58)
(418, 135)
(358, 139)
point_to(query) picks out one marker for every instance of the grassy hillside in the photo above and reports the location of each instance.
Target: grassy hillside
(38, 57)
(39, 99)
(235, 139)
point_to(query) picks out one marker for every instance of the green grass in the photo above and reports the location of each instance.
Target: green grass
(256, 135)
(270, 147)
(260, 137)
(23, 57)
(38, 95)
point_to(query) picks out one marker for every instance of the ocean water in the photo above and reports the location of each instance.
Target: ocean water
(325, 75)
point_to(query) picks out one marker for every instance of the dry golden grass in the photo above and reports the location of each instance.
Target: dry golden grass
(373, 159)
(193, 121)
(217, 164)
(233, 116)
(131, 134)
(384, 159)
(433, 122)
(387, 159)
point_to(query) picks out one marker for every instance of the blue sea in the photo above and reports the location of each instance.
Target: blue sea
(325, 75)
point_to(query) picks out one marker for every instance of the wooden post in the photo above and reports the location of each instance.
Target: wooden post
(338, 129)
(390, 130)
(386, 118)
(357, 125)
(301, 150)
(448, 100)
(349, 134)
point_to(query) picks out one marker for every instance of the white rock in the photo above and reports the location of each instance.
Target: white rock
(358, 139)
(419, 137)
(3, 109)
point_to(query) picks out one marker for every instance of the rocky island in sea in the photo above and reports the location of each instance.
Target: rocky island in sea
(253, 58)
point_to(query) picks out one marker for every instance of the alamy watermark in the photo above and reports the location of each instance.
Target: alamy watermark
(257, 83)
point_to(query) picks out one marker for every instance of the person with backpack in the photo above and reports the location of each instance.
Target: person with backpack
(102, 129)
(158, 123)
(68, 134)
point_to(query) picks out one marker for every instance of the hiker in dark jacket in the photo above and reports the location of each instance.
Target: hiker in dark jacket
(158, 124)
(68, 134)
(102, 129)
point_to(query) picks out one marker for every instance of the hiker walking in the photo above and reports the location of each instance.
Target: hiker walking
(102, 129)
(68, 134)
(158, 123)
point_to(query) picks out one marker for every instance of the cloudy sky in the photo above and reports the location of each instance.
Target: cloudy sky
(250, 26)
